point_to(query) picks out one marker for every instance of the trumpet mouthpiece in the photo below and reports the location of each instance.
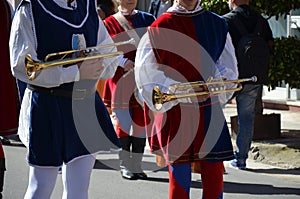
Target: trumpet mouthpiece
(254, 79)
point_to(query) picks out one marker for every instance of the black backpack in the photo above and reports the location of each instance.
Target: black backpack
(252, 51)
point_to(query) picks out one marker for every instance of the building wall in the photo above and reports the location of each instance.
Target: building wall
(289, 26)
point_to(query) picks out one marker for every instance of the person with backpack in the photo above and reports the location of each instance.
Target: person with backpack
(253, 42)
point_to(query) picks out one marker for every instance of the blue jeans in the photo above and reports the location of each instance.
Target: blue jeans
(246, 99)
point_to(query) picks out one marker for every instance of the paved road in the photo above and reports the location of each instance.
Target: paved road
(260, 181)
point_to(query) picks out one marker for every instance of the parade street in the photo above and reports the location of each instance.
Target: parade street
(260, 181)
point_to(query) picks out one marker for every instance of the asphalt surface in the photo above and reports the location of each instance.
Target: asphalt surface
(259, 181)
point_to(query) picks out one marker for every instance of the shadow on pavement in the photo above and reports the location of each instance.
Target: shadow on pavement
(109, 164)
(195, 184)
(276, 171)
(241, 188)
(114, 164)
(258, 189)
(229, 187)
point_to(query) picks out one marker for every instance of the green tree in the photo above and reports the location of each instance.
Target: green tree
(269, 8)
(285, 63)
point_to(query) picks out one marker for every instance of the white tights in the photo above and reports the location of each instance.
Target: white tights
(75, 178)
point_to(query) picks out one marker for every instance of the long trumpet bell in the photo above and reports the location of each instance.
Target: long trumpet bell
(214, 86)
(32, 66)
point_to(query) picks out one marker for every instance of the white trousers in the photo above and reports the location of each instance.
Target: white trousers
(75, 178)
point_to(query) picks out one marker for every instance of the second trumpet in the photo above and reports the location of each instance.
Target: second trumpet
(214, 87)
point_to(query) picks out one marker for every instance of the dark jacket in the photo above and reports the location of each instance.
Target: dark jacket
(249, 18)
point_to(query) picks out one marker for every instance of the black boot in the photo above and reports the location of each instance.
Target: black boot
(125, 159)
(138, 147)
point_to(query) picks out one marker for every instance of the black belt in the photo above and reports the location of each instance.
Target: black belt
(75, 94)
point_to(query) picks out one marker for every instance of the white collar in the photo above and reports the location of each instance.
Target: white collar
(64, 4)
(180, 9)
(126, 13)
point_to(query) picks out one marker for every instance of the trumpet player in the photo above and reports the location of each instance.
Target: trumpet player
(59, 123)
(187, 44)
(118, 92)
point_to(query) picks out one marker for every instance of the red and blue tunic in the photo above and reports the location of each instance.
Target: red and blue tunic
(119, 91)
(189, 132)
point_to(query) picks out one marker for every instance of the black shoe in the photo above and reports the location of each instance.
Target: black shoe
(126, 174)
(5, 141)
(141, 176)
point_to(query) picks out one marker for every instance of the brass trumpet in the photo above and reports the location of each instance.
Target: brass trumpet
(214, 87)
(32, 66)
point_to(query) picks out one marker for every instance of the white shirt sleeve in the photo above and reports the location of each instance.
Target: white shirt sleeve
(110, 64)
(147, 75)
(227, 68)
(23, 42)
